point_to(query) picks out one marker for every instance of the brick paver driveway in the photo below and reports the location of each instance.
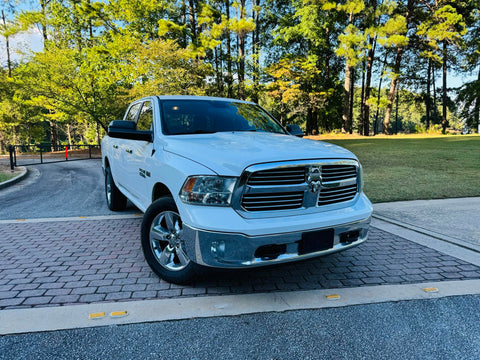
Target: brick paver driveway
(51, 263)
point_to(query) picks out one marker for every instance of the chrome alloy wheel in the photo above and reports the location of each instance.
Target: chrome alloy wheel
(166, 241)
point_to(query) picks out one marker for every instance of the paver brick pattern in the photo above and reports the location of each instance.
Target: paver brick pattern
(78, 262)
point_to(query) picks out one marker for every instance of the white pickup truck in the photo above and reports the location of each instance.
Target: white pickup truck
(224, 185)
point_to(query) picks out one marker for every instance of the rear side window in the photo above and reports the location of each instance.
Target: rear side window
(145, 118)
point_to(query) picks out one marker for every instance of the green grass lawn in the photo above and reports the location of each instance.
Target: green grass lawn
(410, 168)
(5, 176)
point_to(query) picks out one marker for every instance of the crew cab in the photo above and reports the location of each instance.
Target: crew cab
(223, 184)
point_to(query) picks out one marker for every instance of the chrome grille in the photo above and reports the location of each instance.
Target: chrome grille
(336, 194)
(338, 172)
(272, 201)
(280, 176)
(295, 186)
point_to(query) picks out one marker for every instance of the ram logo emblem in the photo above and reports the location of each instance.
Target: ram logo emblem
(314, 178)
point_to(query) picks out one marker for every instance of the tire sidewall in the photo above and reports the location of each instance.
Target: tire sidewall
(118, 201)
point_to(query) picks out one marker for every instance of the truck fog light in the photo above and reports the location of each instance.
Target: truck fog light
(218, 249)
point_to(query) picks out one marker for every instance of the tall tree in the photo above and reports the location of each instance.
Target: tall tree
(350, 47)
(401, 22)
(443, 29)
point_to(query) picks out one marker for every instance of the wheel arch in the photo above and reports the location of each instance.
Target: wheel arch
(159, 190)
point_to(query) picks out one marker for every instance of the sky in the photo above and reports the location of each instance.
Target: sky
(21, 43)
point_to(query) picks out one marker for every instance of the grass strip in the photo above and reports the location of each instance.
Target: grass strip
(411, 168)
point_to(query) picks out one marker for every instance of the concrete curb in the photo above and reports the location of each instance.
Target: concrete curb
(15, 179)
(133, 312)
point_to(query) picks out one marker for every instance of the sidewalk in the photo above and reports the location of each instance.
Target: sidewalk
(452, 220)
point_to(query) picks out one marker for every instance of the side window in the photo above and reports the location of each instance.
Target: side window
(132, 113)
(145, 119)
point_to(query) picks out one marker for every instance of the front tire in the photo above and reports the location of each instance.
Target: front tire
(116, 201)
(163, 245)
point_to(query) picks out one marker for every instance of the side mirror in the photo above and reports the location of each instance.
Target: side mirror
(295, 130)
(128, 130)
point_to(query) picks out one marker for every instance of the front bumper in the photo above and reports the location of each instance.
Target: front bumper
(236, 250)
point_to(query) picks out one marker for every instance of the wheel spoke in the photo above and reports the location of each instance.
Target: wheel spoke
(166, 257)
(182, 257)
(170, 221)
(158, 233)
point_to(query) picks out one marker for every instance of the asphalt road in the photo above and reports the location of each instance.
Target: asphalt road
(447, 328)
(74, 188)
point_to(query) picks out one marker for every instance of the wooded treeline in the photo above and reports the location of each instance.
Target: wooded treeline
(344, 66)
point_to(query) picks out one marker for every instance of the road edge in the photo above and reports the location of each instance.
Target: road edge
(18, 321)
(15, 179)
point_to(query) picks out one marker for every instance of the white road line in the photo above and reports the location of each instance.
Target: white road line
(105, 314)
(73, 218)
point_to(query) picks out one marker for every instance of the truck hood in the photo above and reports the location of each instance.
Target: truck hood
(229, 153)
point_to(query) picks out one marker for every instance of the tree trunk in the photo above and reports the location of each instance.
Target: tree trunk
(53, 136)
(183, 20)
(366, 110)
(350, 111)
(7, 43)
(476, 110)
(346, 120)
(391, 92)
(435, 109)
(312, 121)
(362, 98)
(43, 5)
(346, 100)
(68, 134)
(427, 98)
(97, 132)
(375, 126)
(229, 78)
(241, 55)
(218, 72)
(396, 109)
(192, 22)
(444, 95)
(255, 49)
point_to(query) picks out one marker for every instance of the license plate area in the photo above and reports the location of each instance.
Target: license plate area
(314, 241)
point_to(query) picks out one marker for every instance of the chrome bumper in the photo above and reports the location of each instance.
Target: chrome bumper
(233, 250)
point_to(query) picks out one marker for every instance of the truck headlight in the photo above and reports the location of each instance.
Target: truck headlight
(208, 190)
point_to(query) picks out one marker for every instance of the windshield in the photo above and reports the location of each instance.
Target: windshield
(210, 116)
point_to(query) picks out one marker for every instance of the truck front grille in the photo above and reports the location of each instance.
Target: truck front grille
(338, 172)
(281, 176)
(302, 185)
(336, 194)
(272, 201)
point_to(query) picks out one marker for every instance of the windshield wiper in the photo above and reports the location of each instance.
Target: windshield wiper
(204, 132)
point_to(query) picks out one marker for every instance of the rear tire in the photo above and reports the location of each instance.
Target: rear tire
(162, 243)
(116, 201)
